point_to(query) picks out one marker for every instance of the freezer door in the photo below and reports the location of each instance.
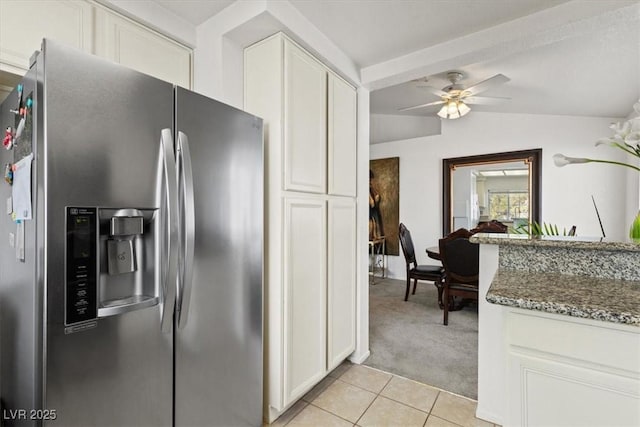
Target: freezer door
(218, 346)
(20, 300)
(103, 149)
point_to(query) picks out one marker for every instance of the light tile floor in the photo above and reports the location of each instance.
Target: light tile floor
(362, 396)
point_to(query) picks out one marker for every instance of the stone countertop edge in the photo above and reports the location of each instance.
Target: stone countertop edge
(593, 243)
(609, 300)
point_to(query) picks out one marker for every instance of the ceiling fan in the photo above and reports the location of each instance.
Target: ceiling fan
(455, 97)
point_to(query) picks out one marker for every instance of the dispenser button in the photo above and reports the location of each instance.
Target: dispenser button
(121, 258)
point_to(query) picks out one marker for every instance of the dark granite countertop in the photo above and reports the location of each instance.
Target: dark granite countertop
(609, 300)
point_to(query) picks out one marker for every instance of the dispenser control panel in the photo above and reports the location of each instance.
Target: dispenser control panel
(81, 269)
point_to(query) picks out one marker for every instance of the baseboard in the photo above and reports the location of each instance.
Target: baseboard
(488, 416)
(359, 359)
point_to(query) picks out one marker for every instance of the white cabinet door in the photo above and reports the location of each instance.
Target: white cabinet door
(565, 371)
(305, 121)
(4, 91)
(23, 25)
(341, 281)
(553, 392)
(304, 295)
(341, 137)
(128, 43)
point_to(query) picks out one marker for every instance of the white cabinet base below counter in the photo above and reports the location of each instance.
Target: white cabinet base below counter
(564, 371)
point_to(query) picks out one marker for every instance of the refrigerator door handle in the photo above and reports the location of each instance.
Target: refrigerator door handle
(171, 190)
(188, 227)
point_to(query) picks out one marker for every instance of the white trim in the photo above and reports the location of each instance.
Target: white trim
(359, 359)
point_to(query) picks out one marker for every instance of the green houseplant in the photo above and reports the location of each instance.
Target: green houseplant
(544, 229)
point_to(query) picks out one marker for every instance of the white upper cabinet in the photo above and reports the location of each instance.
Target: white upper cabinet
(92, 28)
(23, 25)
(310, 116)
(305, 118)
(129, 43)
(341, 139)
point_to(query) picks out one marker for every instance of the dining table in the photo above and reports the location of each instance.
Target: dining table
(433, 252)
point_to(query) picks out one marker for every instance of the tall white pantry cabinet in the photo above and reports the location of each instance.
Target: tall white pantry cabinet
(310, 228)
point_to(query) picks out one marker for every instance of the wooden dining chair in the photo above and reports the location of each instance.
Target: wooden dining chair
(460, 259)
(431, 273)
(493, 226)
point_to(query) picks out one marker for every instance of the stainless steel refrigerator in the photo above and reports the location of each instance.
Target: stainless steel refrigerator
(133, 295)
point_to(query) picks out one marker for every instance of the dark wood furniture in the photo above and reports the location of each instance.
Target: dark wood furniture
(433, 252)
(432, 273)
(493, 226)
(460, 259)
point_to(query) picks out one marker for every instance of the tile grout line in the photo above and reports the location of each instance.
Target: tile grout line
(419, 382)
(331, 413)
(444, 419)
(404, 404)
(434, 401)
(379, 394)
(297, 413)
(374, 399)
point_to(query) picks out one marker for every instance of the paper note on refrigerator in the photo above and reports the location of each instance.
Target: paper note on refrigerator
(21, 189)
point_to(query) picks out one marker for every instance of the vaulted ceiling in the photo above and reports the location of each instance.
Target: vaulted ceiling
(590, 67)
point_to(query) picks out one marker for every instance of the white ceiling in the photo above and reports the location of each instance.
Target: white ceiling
(195, 11)
(374, 31)
(595, 73)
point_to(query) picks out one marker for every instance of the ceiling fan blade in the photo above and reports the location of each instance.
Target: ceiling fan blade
(415, 107)
(484, 100)
(434, 90)
(486, 84)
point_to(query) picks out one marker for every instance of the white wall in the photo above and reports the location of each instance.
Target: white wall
(388, 127)
(566, 192)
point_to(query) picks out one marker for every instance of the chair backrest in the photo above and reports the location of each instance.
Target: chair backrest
(493, 226)
(407, 245)
(460, 257)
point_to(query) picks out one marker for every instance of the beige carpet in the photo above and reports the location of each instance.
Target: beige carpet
(409, 339)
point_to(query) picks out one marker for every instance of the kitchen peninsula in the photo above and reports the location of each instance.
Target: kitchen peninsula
(559, 331)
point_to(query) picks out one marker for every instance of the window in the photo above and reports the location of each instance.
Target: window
(508, 205)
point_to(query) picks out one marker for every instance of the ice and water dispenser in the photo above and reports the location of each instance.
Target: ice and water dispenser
(124, 227)
(110, 258)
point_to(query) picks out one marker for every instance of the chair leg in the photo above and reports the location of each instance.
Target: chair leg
(406, 294)
(446, 306)
(415, 283)
(440, 287)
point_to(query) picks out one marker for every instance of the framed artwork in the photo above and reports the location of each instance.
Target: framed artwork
(384, 202)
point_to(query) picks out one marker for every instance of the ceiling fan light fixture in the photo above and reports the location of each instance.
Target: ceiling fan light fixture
(453, 110)
(463, 108)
